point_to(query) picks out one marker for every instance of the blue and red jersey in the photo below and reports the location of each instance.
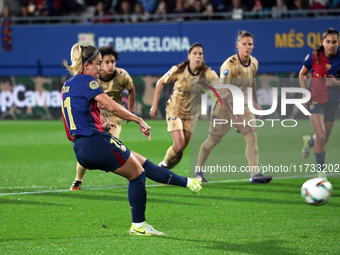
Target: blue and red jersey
(326, 67)
(80, 110)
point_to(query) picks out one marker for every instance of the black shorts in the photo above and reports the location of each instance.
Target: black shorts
(329, 110)
(101, 151)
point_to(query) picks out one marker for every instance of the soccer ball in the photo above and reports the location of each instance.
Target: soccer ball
(316, 191)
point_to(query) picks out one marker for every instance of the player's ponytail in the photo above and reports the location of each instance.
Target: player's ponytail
(79, 56)
(317, 51)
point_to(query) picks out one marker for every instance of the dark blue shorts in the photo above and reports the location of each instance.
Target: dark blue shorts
(329, 110)
(100, 151)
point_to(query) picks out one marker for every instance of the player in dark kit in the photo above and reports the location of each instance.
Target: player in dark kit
(96, 149)
(324, 64)
(113, 81)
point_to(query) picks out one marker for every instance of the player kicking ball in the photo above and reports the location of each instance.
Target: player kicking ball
(96, 149)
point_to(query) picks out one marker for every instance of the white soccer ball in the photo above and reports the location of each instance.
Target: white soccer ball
(316, 191)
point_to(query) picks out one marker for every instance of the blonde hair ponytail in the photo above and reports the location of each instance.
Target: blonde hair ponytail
(80, 55)
(76, 59)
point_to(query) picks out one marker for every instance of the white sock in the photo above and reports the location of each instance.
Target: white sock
(139, 224)
(189, 181)
(252, 174)
(322, 175)
(164, 164)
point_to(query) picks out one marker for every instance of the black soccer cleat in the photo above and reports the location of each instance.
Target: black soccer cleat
(76, 185)
(259, 178)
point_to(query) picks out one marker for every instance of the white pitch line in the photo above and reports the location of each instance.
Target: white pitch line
(100, 188)
(54, 191)
(68, 190)
(148, 186)
(27, 187)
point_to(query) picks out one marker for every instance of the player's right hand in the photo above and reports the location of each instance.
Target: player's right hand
(153, 111)
(145, 129)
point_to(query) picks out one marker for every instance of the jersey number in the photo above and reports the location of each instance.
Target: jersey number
(115, 141)
(67, 104)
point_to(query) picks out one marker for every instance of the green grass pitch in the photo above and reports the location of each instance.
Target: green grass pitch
(39, 215)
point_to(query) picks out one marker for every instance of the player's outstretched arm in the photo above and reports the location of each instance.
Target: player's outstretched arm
(116, 108)
(158, 90)
(121, 112)
(132, 99)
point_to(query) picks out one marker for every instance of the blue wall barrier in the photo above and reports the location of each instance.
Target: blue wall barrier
(151, 49)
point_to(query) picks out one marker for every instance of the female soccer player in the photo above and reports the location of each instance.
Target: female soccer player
(96, 149)
(113, 81)
(239, 70)
(324, 63)
(181, 123)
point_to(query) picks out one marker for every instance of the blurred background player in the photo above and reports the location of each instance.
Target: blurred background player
(181, 123)
(239, 70)
(324, 63)
(96, 149)
(113, 81)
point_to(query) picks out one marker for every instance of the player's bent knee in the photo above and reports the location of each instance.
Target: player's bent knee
(141, 159)
(245, 130)
(216, 138)
(179, 148)
(321, 137)
(131, 169)
(211, 142)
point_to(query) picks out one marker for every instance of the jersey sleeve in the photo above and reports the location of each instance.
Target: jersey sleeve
(308, 61)
(226, 69)
(170, 75)
(128, 81)
(91, 88)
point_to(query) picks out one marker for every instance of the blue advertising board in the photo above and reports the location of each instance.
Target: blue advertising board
(151, 49)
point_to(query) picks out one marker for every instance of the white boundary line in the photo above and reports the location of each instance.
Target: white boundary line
(124, 186)
(99, 188)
